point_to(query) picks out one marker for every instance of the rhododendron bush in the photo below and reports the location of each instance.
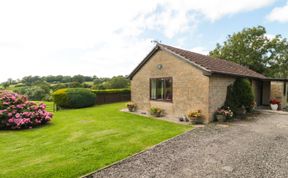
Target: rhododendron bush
(16, 112)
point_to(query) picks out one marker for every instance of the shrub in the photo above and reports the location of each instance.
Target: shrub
(196, 117)
(225, 111)
(155, 111)
(240, 94)
(74, 98)
(16, 112)
(131, 106)
(274, 101)
(36, 93)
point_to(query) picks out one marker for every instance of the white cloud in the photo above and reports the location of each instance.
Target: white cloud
(215, 9)
(200, 50)
(279, 14)
(96, 38)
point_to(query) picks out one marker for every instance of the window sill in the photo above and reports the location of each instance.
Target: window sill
(164, 101)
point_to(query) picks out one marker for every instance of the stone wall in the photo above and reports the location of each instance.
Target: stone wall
(218, 91)
(277, 92)
(190, 86)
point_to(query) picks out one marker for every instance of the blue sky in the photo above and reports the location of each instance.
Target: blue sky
(70, 37)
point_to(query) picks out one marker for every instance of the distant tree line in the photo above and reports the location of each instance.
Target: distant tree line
(40, 88)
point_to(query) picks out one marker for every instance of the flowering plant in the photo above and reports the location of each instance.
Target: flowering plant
(274, 101)
(16, 112)
(131, 106)
(225, 111)
(194, 114)
(156, 111)
(195, 117)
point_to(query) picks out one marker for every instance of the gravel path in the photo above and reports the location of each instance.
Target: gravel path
(257, 147)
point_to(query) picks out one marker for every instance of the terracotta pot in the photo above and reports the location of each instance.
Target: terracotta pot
(274, 107)
(196, 120)
(131, 109)
(157, 114)
(220, 118)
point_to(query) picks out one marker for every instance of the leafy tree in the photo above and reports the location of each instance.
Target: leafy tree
(119, 82)
(78, 78)
(66, 79)
(252, 48)
(5, 85)
(29, 80)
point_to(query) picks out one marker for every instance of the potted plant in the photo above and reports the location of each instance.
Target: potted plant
(195, 117)
(157, 112)
(274, 104)
(224, 113)
(131, 106)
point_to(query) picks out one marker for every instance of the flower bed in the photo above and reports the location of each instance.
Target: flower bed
(16, 112)
(224, 114)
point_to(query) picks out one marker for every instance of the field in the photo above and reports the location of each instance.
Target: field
(80, 141)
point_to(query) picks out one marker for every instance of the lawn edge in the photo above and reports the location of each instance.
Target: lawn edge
(135, 154)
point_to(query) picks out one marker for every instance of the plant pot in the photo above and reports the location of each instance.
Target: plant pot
(157, 114)
(274, 107)
(220, 118)
(196, 120)
(131, 109)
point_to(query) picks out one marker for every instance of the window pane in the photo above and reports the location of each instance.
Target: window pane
(159, 88)
(168, 89)
(153, 89)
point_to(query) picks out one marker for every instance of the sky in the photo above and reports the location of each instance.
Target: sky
(108, 38)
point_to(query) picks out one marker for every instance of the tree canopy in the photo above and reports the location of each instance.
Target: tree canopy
(254, 48)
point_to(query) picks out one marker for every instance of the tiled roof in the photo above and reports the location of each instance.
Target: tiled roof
(214, 65)
(209, 64)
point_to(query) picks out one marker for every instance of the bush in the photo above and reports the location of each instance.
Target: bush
(240, 94)
(196, 117)
(131, 106)
(16, 112)
(157, 112)
(74, 98)
(36, 93)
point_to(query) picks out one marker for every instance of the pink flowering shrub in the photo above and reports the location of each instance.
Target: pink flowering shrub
(16, 112)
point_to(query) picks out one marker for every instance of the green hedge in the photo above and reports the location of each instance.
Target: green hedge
(116, 91)
(74, 97)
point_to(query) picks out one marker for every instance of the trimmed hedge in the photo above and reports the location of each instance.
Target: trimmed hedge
(74, 98)
(112, 95)
(118, 91)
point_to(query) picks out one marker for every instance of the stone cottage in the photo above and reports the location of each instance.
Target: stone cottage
(180, 81)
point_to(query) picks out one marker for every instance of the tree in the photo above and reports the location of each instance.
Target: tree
(252, 48)
(78, 78)
(29, 80)
(5, 85)
(118, 82)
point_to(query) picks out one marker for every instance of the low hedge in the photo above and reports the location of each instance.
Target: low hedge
(74, 97)
(112, 95)
(114, 91)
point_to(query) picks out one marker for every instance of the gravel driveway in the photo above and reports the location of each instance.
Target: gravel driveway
(257, 147)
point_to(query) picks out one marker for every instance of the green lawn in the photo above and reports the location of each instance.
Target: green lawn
(80, 141)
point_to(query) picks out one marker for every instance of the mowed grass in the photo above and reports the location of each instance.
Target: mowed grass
(79, 141)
